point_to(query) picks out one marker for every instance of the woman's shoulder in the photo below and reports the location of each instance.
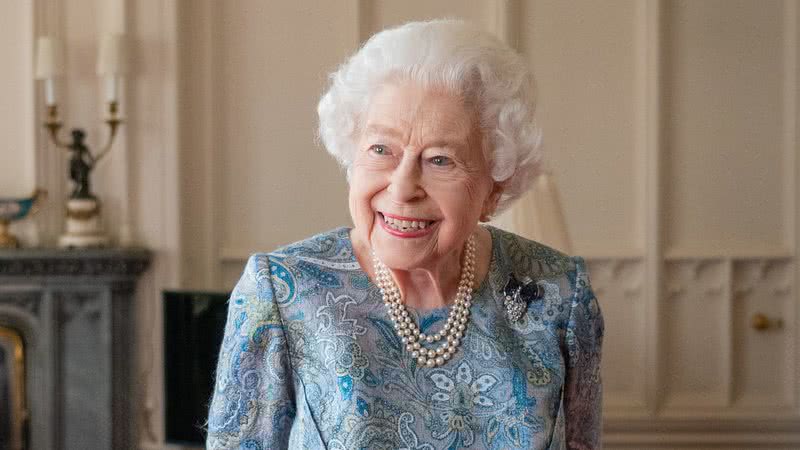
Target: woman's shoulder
(563, 279)
(331, 245)
(528, 258)
(293, 271)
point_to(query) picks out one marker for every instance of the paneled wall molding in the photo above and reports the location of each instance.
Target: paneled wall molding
(506, 21)
(648, 137)
(624, 272)
(155, 139)
(791, 51)
(728, 283)
(622, 279)
(763, 307)
(689, 423)
(653, 175)
(791, 100)
(113, 176)
(693, 433)
(736, 254)
(200, 99)
(210, 139)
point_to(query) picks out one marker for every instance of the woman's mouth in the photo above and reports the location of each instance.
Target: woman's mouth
(405, 226)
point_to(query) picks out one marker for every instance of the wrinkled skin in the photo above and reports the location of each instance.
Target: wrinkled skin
(419, 155)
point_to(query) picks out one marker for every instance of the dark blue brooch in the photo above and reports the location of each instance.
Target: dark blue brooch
(518, 295)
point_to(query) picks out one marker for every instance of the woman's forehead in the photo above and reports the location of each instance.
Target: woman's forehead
(396, 107)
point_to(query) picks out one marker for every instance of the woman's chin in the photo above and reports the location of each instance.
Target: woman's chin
(401, 253)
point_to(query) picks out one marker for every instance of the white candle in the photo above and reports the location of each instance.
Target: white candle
(111, 88)
(50, 92)
(46, 64)
(111, 63)
(49, 64)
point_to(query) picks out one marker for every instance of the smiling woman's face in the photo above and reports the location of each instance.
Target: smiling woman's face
(419, 182)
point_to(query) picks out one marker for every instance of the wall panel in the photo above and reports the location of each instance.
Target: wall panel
(624, 351)
(763, 361)
(588, 110)
(695, 344)
(17, 172)
(723, 126)
(277, 185)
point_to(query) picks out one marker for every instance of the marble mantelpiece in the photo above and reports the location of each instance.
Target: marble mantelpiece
(74, 311)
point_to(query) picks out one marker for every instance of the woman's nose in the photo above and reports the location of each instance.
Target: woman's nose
(404, 185)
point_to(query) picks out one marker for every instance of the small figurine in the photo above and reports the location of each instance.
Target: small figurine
(83, 208)
(80, 165)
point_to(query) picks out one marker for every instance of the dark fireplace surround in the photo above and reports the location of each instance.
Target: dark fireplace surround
(74, 312)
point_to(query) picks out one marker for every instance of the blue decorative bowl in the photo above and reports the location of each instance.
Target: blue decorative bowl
(12, 209)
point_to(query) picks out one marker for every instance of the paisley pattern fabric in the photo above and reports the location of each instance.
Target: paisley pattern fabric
(310, 359)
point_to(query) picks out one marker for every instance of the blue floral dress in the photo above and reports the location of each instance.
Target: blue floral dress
(310, 359)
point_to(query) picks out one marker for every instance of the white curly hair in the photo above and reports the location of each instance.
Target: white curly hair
(456, 56)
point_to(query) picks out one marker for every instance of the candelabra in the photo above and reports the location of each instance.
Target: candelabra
(83, 207)
(83, 228)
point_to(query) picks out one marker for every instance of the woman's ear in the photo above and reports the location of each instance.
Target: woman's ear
(490, 204)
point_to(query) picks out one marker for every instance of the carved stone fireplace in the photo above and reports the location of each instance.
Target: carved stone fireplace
(73, 312)
(13, 412)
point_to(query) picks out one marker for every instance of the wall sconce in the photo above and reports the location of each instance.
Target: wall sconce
(83, 227)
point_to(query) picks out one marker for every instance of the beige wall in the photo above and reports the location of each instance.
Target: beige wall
(670, 127)
(17, 169)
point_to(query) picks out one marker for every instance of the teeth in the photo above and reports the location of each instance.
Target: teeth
(405, 225)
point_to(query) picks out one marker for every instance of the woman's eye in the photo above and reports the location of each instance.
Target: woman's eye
(379, 149)
(440, 160)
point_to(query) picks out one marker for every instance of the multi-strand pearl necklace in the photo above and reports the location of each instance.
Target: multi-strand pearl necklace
(454, 329)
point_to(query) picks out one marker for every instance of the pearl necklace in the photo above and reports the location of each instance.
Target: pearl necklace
(453, 330)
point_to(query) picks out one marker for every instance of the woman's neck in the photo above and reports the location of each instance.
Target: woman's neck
(430, 287)
(434, 286)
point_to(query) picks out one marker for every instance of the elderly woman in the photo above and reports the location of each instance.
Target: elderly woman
(419, 328)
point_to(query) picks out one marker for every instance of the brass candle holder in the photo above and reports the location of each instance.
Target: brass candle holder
(53, 124)
(83, 228)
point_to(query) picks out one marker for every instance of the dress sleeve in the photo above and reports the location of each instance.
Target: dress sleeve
(583, 385)
(253, 399)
